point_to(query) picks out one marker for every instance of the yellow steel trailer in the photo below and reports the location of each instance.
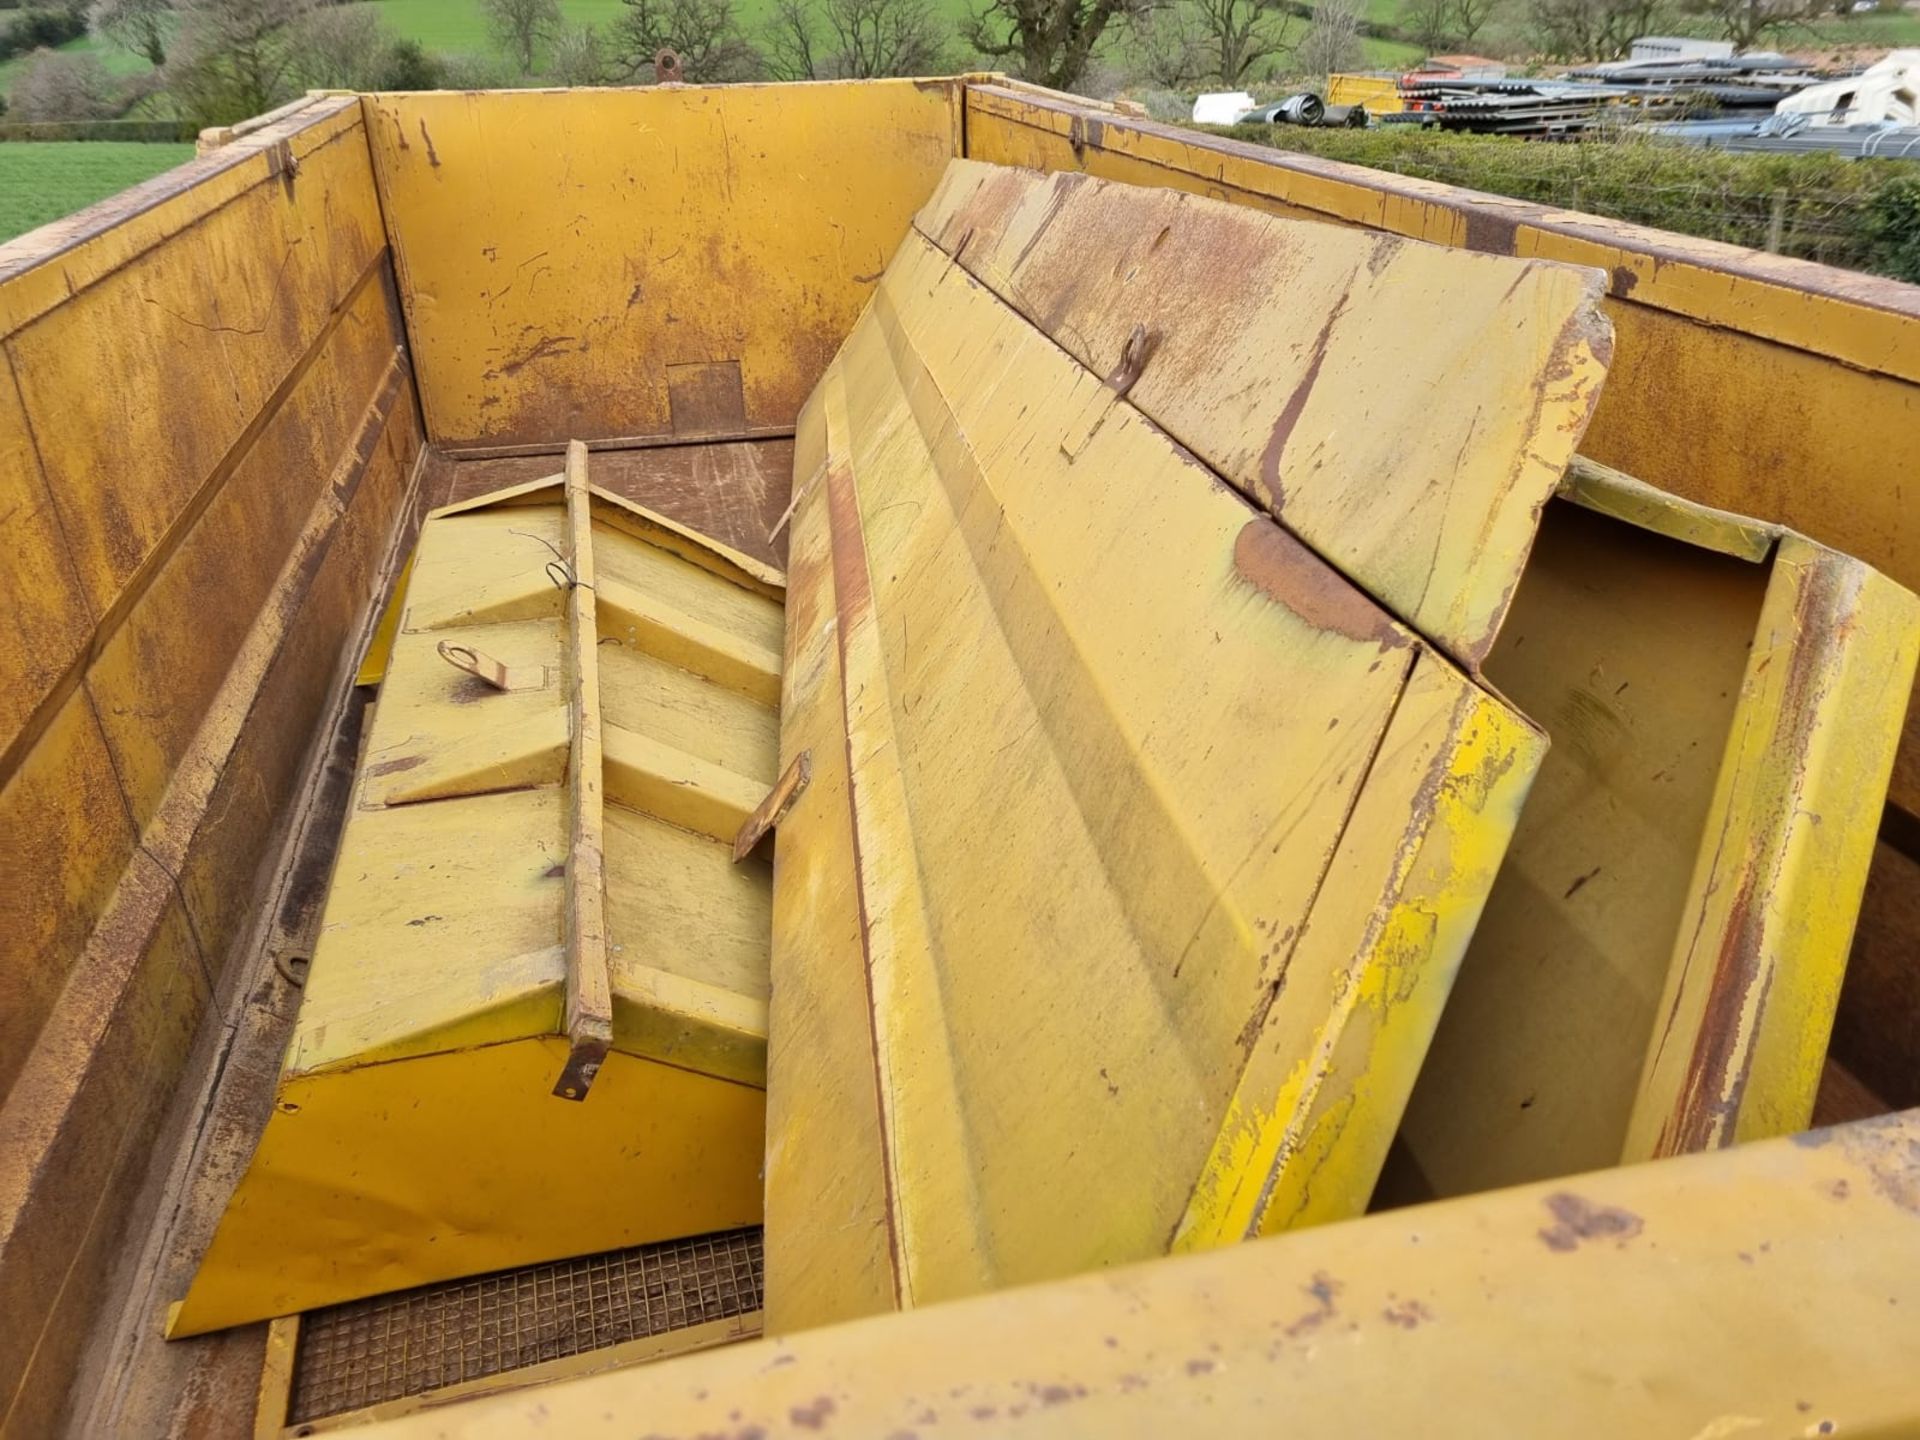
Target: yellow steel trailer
(633, 717)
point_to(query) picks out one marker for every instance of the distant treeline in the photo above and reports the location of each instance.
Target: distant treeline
(32, 29)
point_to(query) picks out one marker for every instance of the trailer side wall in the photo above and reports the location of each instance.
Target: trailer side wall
(207, 427)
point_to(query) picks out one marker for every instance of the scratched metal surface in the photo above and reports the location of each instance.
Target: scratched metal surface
(1403, 409)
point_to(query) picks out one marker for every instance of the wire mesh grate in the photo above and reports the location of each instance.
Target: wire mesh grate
(369, 1351)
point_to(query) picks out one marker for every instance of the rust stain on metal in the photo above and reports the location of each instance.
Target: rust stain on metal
(1290, 412)
(813, 1415)
(433, 156)
(1324, 1290)
(706, 397)
(1489, 230)
(1285, 571)
(1577, 1218)
(396, 765)
(1710, 1099)
(1723, 1050)
(1064, 184)
(1084, 131)
(545, 348)
(853, 594)
(1407, 1314)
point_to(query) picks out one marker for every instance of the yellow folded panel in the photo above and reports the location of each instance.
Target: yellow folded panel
(535, 1021)
(1140, 845)
(1657, 969)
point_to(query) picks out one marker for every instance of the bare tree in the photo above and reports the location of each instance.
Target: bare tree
(1053, 39)
(853, 39)
(1590, 29)
(341, 47)
(706, 34)
(1168, 46)
(578, 57)
(1242, 33)
(1745, 22)
(137, 25)
(52, 86)
(1332, 41)
(519, 27)
(1470, 17)
(1429, 22)
(793, 44)
(235, 58)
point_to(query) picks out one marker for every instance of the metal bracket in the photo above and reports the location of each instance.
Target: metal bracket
(791, 785)
(490, 671)
(1133, 360)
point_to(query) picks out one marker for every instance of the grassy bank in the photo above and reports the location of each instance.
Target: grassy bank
(41, 181)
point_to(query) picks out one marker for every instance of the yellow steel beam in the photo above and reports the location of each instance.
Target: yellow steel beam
(1769, 1290)
(1600, 487)
(588, 1015)
(1742, 1026)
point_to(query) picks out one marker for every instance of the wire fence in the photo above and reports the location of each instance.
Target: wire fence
(1861, 215)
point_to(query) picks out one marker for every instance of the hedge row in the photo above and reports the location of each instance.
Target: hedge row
(146, 131)
(1860, 214)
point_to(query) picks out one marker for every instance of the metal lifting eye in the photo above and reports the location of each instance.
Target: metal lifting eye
(490, 671)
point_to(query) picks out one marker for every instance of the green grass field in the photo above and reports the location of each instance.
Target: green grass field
(43, 181)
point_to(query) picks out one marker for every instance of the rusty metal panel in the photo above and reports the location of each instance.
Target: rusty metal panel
(1771, 1289)
(1749, 999)
(342, 568)
(1780, 431)
(1754, 383)
(617, 263)
(1143, 808)
(572, 680)
(1275, 380)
